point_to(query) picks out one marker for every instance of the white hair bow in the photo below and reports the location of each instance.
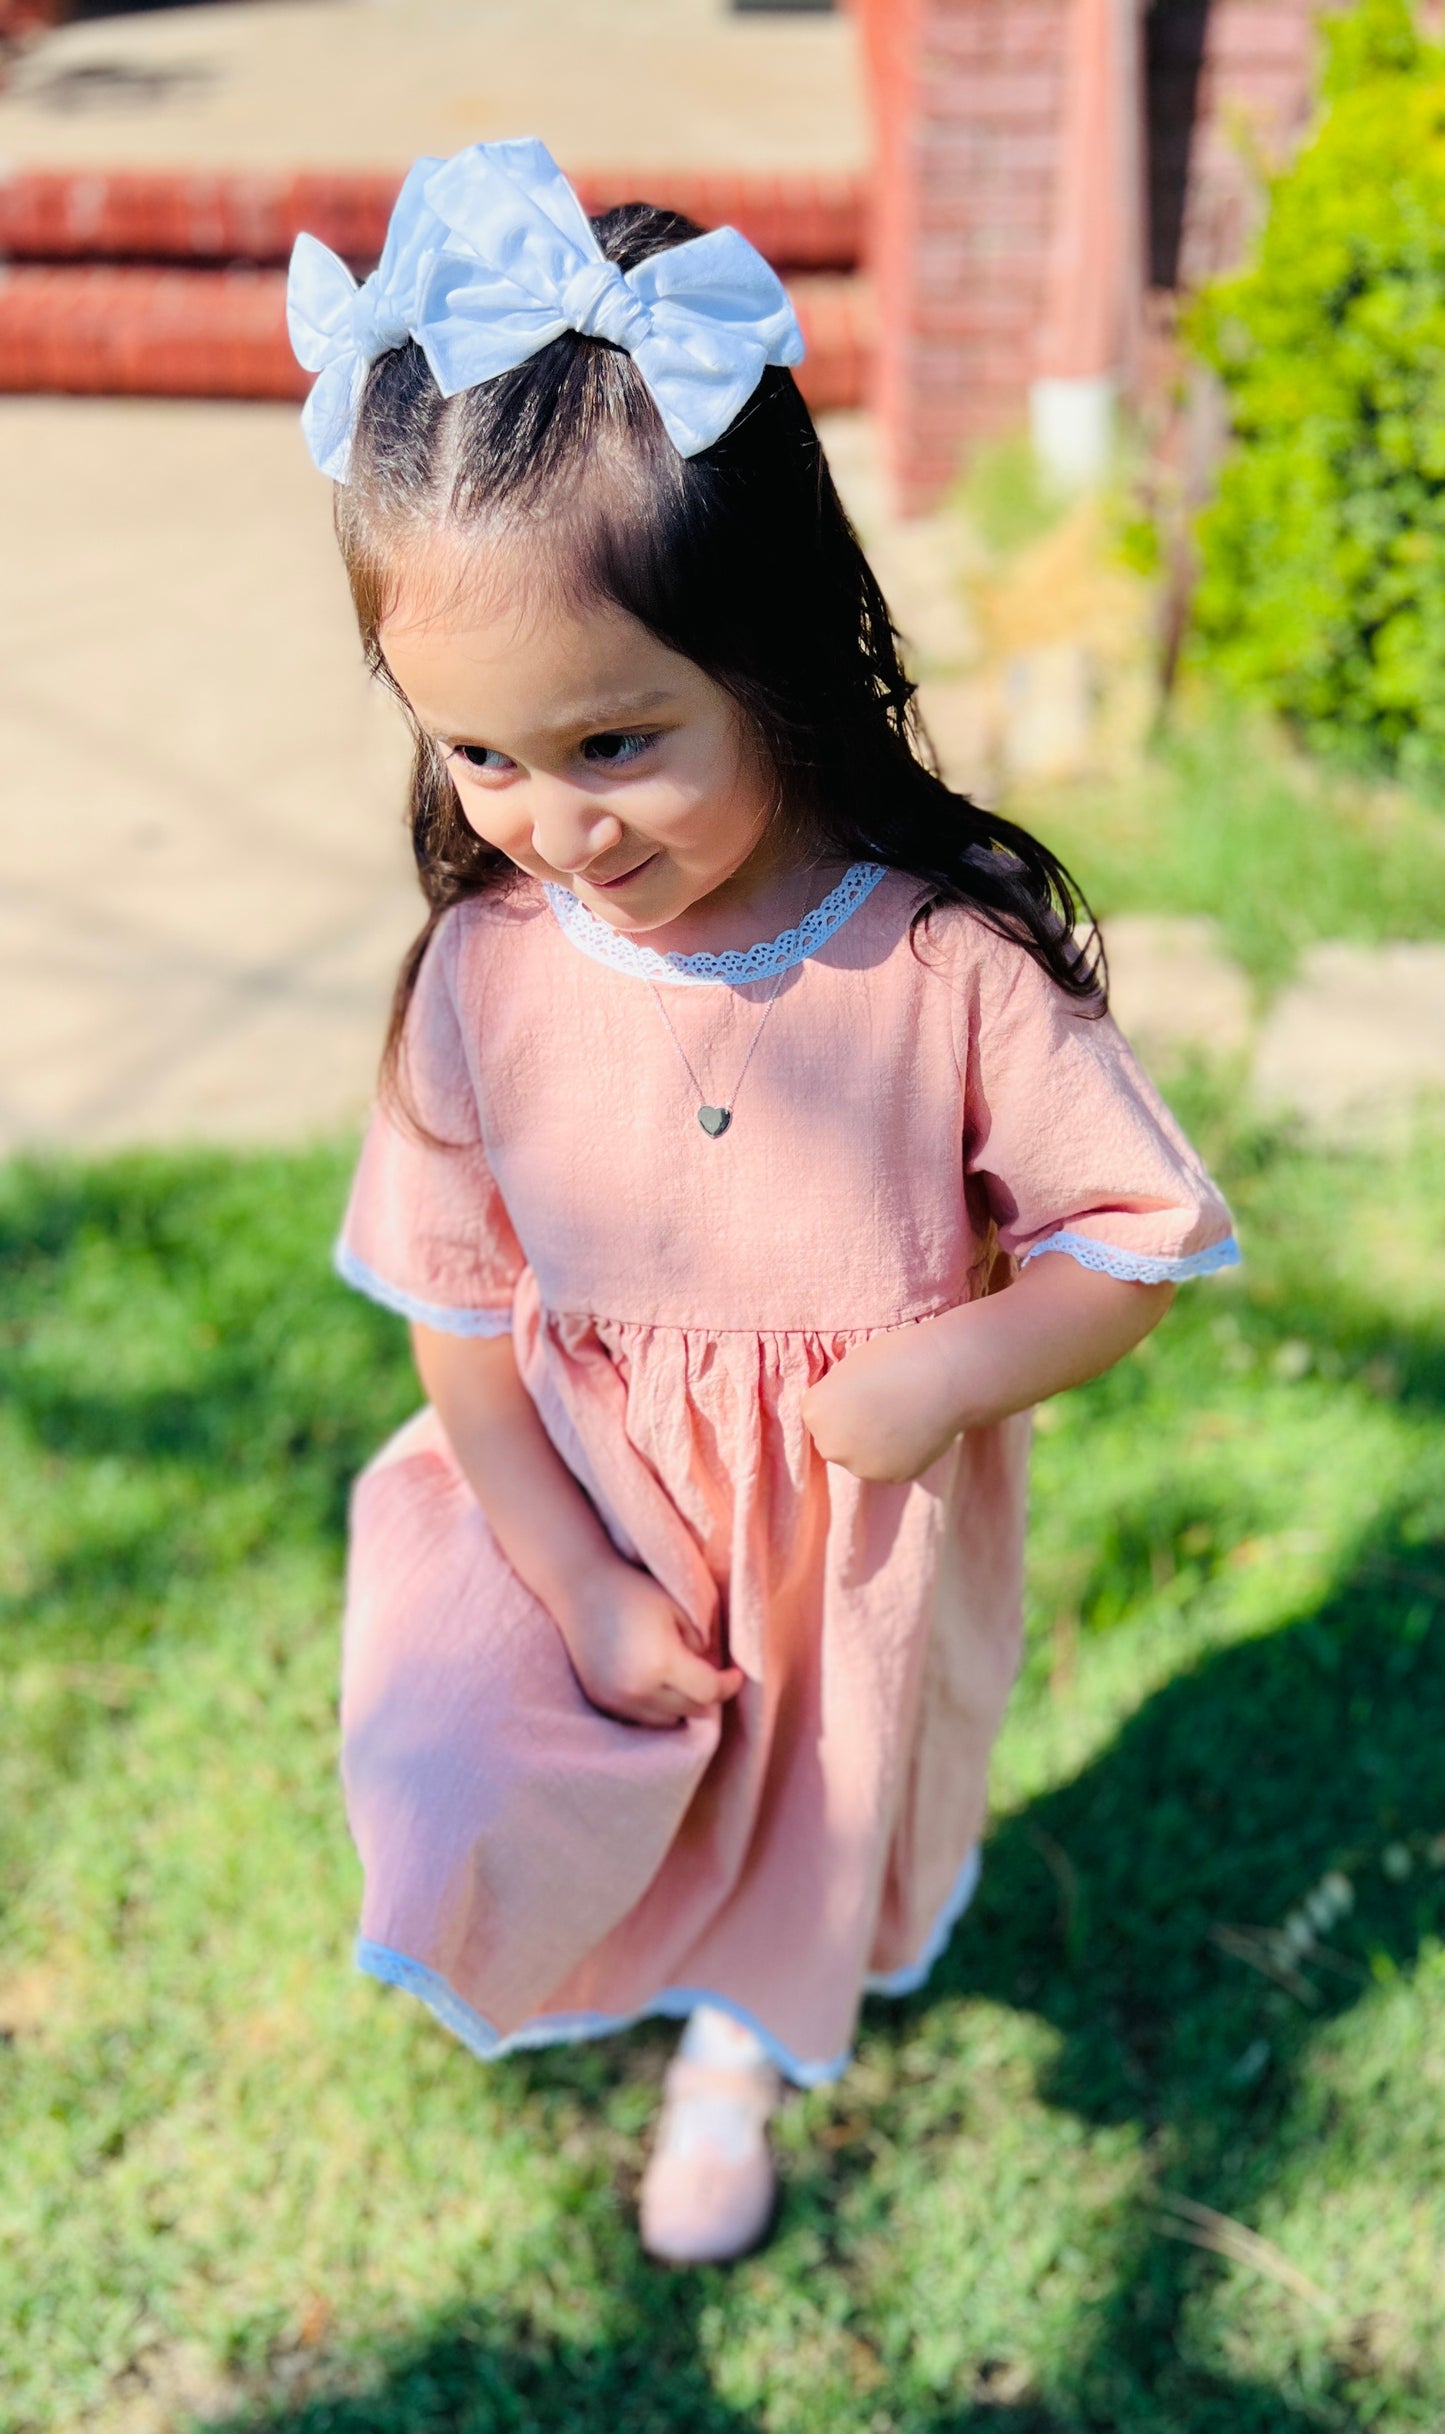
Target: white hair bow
(489, 256)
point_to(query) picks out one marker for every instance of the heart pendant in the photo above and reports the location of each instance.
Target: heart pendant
(714, 1120)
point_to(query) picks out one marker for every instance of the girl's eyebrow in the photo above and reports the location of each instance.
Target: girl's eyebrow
(586, 718)
(604, 718)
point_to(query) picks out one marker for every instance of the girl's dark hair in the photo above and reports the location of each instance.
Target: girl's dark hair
(741, 559)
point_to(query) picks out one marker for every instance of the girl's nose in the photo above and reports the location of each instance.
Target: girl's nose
(569, 830)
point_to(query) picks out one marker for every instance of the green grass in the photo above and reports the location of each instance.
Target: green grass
(1223, 820)
(238, 2179)
(1006, 495)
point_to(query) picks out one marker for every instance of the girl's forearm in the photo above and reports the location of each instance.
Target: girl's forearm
(892, 1405)
(546, 1527)
(1056, 1326)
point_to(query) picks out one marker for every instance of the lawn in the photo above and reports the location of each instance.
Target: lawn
(1161, 2149)
(1224, 819)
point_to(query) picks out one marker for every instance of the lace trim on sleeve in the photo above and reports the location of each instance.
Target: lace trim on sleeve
(445, 1320)
(1139, 1267)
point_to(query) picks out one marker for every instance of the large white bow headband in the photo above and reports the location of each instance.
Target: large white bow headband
(489, 256)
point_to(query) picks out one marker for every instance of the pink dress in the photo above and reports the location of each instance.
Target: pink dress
(914, 1123)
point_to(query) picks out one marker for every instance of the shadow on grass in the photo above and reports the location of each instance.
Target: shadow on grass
(174, 1346)
(463, 2382)
(1139, 1908)
(232, 1367)
(1229, 1796)
(649, 2375)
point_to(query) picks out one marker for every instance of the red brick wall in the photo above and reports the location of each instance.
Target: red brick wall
(967, 97)
(887, 33)
(1252, 106)
(968, 103)
(20, 19)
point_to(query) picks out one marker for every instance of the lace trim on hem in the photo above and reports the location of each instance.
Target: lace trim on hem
(573, 2028)
(446, 1321)
(1139, 1267)
(674, 2002)
(906, 1981)
(736, 968)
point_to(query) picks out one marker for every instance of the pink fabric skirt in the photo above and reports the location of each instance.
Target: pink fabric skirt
(536, 1870)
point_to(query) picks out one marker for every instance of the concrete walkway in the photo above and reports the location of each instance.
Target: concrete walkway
(269, 83)
(204, 882)
(205, 886)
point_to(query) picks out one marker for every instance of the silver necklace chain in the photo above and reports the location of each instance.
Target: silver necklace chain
(715, 1120)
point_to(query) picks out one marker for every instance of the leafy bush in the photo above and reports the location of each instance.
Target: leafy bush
(1323, 556)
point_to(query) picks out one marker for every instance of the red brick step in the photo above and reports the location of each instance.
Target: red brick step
(799, 220)
(104, 331)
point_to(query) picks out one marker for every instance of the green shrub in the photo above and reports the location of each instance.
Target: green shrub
(1322, 589)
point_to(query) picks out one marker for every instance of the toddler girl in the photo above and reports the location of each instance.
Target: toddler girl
(736, 1086)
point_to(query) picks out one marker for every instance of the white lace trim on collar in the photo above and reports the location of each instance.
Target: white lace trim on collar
(736, 968)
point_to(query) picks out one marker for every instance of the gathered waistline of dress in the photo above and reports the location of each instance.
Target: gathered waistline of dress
(857, 1329)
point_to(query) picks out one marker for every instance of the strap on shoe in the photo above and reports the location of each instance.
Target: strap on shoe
(756, 2089)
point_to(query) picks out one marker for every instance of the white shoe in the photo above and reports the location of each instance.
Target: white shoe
(710, 2191)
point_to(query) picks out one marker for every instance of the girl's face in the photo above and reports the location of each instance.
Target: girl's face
(587, 752)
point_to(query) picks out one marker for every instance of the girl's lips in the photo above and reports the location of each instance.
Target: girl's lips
(623, 876)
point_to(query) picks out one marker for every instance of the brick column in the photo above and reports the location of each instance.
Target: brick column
(1251, 106)
(967, 98)
(1089, 330)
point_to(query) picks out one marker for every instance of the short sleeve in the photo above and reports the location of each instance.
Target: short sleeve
(426, 1232)
(1070, 1144)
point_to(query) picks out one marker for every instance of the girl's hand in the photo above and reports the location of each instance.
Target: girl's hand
(884, 1412)
(636, 1654)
